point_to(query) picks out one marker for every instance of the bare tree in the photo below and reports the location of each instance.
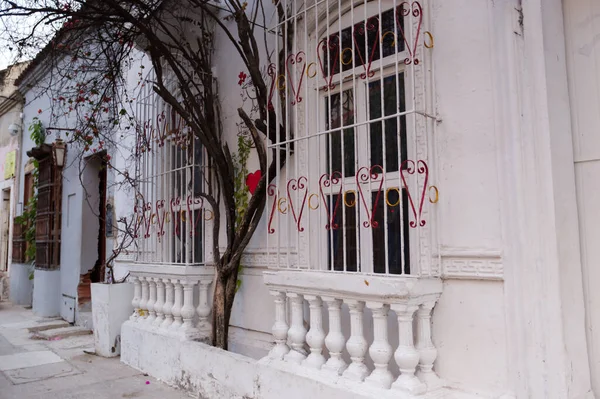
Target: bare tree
(97, 40)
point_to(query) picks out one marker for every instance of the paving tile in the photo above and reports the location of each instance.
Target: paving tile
(28, 359)
(39, 373)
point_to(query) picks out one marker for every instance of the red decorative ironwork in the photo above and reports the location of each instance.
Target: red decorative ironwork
(369, 176)
(405, 9)
(421, 168)
(362, 29)
(271, 192)
(175, 202)
(294, 59)
(327, 181)
(194, 223)
(326, 44)
(160, 204)
(297, 185)
(147, 219)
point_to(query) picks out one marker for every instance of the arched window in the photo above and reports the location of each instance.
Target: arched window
(356, 91)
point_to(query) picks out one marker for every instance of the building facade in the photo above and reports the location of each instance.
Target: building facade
(431, 229)
(458, 257)
(11, 108)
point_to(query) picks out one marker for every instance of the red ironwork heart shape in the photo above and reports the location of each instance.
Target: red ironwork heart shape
(252, 181)
(368, 176)
(294, 59)
(421, 168)
(405, 9)
(328, 181)
(297, 185)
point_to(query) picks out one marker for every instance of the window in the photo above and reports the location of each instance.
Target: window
(169, 210)
(353, 192)
(366, 145)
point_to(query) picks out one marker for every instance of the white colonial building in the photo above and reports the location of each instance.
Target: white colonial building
(431, 232)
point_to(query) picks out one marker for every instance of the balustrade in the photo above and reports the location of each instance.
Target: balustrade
(165, 302)
(411, 300)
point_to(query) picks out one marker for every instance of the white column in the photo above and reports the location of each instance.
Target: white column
(297, 331)
(335, 340)
(427, 351)
(280, 327)
(137, 296)
(177, 304)
(168, 306)
(316, 336)
(357, 344)
(381, 350)
(203, 309)
(160, 301)
(188, 311)
(151, 300)
(406, 355)
(144, 300)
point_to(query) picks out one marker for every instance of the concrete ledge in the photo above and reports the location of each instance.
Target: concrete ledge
(214, 373)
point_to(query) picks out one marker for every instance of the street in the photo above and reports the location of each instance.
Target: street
(42, 364)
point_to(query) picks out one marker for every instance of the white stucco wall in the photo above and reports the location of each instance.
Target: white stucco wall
(78, 242)
(582, 32)
(504, 234)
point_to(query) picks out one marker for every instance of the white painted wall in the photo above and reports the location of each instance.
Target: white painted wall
(503, 146)
(582, 29)
(46, 293)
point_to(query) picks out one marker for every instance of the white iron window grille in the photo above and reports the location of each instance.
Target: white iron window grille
(169, 209)
(356, 191)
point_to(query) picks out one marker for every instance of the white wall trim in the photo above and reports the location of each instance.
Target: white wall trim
(471, 263)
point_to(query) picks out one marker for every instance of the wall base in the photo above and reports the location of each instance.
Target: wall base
(21, 287)
(214, 373)
(46, 293)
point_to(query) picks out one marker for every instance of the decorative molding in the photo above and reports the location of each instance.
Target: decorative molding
(471, 263)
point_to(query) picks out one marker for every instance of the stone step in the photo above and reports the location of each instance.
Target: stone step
(48, 325)
(63, 332)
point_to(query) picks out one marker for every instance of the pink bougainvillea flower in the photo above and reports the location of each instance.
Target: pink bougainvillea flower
(242, 77)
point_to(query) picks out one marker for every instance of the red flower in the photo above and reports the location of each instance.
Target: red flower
(39, 111)
(242, 77)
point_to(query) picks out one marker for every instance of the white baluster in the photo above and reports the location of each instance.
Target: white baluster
(203, 309)
(168, 306)
(137, 296)
(381, 350)
(177, 304)
(315, 338)
(335, 340)
(151, 300)
(188, 311)
(357, 344)
(160, 301)
(280, 327)
(406, 355)
(144, 300)
(297, 331)
(427, 351)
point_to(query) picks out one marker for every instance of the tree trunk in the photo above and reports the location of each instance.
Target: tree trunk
(222, 304)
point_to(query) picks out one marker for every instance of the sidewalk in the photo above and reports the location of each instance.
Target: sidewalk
(59, 369)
